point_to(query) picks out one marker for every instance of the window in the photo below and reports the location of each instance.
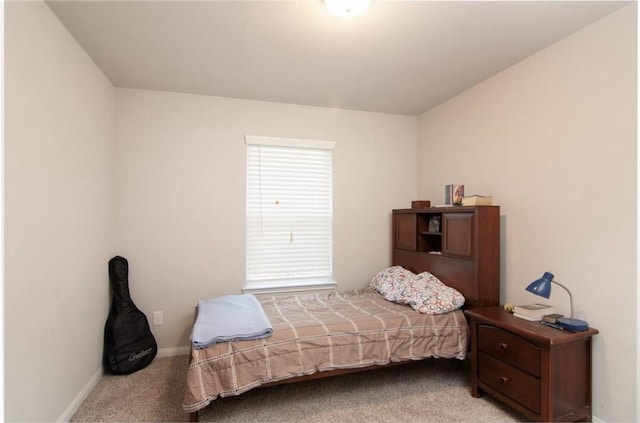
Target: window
(289, 214)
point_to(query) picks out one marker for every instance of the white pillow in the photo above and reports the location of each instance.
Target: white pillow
(391, 282)
(427, 294)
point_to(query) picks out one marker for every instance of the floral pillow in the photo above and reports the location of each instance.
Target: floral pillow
(427, 294)
(391, 283)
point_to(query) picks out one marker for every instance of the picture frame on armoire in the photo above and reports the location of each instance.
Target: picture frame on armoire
(434, 224)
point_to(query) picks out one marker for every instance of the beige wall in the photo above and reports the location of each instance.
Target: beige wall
(181, 193)
(553, 139)
(58, 216)
(177, 196)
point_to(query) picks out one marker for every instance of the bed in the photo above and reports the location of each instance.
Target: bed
(322, 335)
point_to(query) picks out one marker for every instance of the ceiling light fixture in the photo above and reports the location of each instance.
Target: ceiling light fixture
(347, 7)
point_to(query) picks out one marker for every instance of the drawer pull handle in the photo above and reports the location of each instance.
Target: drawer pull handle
(503, 346)
(504, 380)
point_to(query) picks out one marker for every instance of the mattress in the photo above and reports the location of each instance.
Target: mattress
(321, 332)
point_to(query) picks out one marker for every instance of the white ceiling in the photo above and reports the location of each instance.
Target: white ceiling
(398, 57)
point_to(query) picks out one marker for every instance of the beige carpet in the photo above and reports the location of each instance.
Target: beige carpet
(426, 391)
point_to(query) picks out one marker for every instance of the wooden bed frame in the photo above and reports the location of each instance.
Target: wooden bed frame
(477, 277)
(193, 417)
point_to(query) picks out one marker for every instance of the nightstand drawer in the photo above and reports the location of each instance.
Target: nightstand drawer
(543, 373)
(510, 348)
(514, 383)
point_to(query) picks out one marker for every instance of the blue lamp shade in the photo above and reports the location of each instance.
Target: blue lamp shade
(542, 287)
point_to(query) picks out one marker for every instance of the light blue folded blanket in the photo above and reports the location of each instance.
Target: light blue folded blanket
(229, 318)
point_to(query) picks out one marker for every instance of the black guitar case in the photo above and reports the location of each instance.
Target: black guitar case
(129, 344)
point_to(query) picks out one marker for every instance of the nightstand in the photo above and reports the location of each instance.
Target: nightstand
(541, 372)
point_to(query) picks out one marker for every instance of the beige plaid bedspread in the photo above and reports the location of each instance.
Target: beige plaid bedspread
(319, 332)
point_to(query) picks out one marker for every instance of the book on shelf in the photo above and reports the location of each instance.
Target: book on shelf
(477, 200)
(534, 310)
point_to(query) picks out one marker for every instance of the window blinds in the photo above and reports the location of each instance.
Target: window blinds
(289, 212)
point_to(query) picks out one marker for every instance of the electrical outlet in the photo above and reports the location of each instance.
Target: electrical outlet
(157, 318)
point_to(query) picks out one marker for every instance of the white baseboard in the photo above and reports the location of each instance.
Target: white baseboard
(75, 404)
(594, 419)
(171, 352)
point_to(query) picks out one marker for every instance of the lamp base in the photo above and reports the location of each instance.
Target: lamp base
(573, 325)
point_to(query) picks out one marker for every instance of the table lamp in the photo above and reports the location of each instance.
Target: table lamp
(542, 287)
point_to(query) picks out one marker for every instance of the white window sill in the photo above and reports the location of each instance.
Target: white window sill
(277, 287)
